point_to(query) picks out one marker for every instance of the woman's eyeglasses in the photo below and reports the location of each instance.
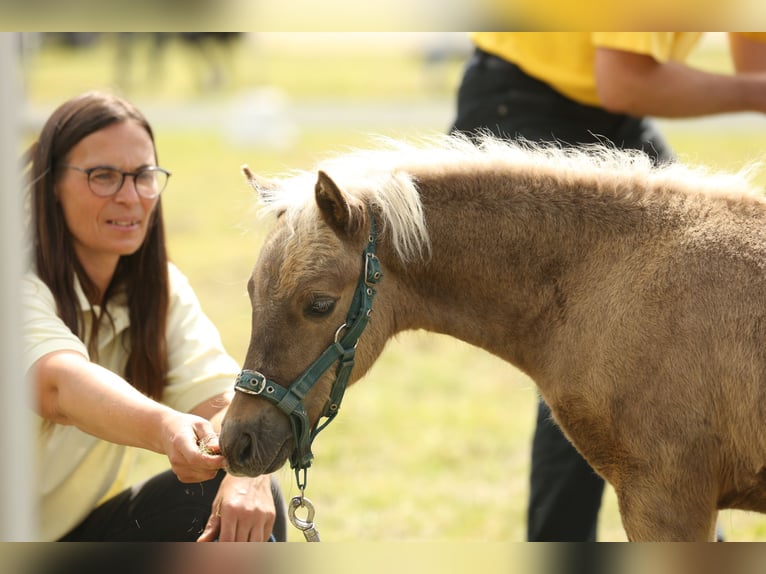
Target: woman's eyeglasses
(150, 181)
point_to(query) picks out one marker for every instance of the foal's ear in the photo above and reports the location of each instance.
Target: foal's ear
(344, 217)
(259, 184)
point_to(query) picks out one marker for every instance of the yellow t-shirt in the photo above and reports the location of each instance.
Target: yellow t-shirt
(565, 60)
(76, 470)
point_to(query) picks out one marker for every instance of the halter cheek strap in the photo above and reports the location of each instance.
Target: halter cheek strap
(342, 350)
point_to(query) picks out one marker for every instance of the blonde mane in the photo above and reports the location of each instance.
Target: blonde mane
(386, 176)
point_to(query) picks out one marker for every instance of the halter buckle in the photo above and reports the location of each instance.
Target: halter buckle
(244, 383)
(372, 271)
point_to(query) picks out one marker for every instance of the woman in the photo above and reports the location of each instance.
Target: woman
(118, 349)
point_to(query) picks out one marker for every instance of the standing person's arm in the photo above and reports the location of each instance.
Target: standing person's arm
(638, 85)
(70, 390)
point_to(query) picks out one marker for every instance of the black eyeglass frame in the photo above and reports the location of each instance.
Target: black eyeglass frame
(123, 174)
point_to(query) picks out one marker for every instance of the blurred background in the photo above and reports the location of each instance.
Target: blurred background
(433, 444)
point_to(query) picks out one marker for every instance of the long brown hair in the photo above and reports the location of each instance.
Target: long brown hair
(142, 276)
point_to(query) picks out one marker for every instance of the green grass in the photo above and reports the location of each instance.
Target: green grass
(433, 444)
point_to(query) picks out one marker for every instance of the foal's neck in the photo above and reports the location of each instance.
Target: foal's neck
(505, 255)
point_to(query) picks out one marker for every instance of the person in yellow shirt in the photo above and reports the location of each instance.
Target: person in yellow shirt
(584, 88)
(119, 351)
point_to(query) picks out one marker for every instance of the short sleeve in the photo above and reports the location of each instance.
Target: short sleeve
(754, 36)
(662, 46)
(43, 331)
(199, 366)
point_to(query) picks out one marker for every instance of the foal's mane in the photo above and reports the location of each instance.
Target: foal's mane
(387, 177)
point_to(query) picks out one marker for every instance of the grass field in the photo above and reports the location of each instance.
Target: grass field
(434, 443)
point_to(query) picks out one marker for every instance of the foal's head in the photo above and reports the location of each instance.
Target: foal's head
(301, 289)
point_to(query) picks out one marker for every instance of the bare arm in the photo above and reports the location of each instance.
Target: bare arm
(214, 409)
(639, 85)
(70, 390)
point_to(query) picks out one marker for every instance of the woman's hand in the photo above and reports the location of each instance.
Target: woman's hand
(243, 511)
(191, 445)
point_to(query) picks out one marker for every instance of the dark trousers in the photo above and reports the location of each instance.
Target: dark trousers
(498, 97)
(161, 509)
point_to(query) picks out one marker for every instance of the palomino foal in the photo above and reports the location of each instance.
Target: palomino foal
(635, 298)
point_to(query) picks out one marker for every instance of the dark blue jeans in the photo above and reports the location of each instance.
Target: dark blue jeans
(498, 97)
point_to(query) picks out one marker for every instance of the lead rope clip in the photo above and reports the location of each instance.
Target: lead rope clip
(306, 526)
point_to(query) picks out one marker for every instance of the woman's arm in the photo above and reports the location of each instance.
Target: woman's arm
(71, 390)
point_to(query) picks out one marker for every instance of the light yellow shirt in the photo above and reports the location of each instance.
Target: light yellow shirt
(565, 60)
(76, 470)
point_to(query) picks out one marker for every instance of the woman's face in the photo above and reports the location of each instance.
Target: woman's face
(104, 228)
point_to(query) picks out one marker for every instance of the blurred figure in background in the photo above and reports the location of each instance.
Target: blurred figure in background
(119, 351)
(581, 88)
(210, 57)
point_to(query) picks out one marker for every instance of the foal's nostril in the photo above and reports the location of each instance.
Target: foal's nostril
(243, 448)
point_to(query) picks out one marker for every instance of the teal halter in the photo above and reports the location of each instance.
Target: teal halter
(343, 349)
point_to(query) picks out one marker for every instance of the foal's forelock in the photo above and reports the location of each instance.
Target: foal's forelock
(393, 195)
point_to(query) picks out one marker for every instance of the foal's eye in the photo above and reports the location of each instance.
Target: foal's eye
(320, 305)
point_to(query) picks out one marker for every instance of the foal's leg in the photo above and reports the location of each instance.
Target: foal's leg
(653, 513)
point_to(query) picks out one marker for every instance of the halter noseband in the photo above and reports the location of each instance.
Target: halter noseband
(290, 399)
